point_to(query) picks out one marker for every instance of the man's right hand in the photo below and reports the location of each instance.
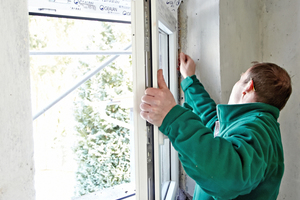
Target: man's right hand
(187, 65)
(157, 102)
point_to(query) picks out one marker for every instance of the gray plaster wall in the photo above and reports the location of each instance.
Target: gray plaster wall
(240, 40)
(226, 37)
(16, 143)
(281, 44)
(199, 38)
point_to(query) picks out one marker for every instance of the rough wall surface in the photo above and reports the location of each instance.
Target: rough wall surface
(16, 144)
(239, 40)
(199, 38)
(281, 45)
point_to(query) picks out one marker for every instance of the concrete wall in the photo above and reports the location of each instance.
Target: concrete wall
(16, 143)
(281, 45)
(239, 40)
(243, 31)
(199, 38)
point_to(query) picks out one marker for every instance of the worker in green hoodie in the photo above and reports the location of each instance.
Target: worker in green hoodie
(232, 151)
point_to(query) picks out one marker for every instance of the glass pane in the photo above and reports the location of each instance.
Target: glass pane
(165, 169)
(83, 143)
(51, 33)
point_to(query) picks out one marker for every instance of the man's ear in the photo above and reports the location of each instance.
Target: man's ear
(250, 86)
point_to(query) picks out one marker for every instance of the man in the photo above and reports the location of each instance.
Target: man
(232, 151)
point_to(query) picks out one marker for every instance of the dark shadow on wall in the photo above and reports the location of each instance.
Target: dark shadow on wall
(182, 195)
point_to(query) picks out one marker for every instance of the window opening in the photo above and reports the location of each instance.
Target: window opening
(93, 123)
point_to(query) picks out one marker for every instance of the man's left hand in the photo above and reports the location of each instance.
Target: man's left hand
(157, 102)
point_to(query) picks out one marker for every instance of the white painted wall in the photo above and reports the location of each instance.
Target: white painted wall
(16, 143)
(226, 37)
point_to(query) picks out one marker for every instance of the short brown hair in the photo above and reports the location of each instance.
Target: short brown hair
(272, 83)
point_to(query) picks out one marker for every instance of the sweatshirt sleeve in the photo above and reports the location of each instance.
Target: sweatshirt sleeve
(196, 96)
(223, 168)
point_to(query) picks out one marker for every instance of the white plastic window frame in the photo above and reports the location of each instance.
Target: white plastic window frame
(168, 25)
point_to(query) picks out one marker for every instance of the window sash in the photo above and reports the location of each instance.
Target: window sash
(161, 16)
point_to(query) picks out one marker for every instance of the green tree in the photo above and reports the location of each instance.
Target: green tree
(102, 148)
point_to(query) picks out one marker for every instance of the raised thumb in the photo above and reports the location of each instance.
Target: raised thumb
(160, 80)
(183, 58)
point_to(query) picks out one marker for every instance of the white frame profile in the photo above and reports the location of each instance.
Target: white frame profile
(140, 128)
(161, 18)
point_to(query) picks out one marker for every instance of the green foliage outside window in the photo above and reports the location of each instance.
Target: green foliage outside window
(101, 148)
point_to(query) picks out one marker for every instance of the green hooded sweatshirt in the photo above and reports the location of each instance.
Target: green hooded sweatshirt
(243, 160)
